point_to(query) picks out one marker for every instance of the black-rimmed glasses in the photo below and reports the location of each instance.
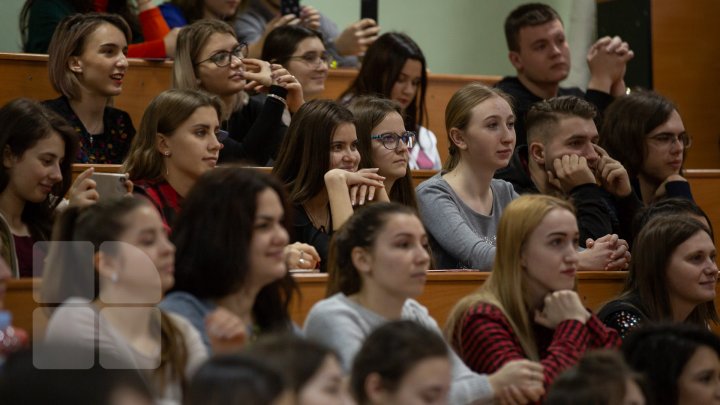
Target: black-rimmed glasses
(223, 58)
(392, 141)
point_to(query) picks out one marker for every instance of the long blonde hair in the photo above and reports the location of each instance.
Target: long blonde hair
(506, 288)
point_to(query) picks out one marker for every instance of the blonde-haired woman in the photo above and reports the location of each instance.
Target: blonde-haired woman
(461, 205)
(210, 58)
(178, 141)
(527, 308)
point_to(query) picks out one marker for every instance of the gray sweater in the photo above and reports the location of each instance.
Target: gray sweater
(343, 325)
(460, 237)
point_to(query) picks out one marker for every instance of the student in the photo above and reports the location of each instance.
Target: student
(211, 59)
(35, 175)
(179, 13)
(602, 378)
(403, 363)
(152, 37)
(179, 140)
(231, 237)
(527, 309)
(311, 370)
(262, 16)
(238, 379)
(394, 67)
(671, 206)
(645, 133)
(301, 51)
(680, 363)
(132, 263)
(539, 52)
(324, 191)
(672, 277)
(379, 261)
(87, 64)
(562, 158)
(384, 143)
(461, 205)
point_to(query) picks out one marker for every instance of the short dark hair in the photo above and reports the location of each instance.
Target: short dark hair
(234, 379)
(283, 41)
(647, 276)
(668, 206)
(599, 378)
(544, 116)
(297, 358)
(661, 351)
(360, 230)
(627, 123)
(309, 136)
(369, 112)
(527, 15)
(391, 351)
(213, 234)
(381, 67)
(24, 123)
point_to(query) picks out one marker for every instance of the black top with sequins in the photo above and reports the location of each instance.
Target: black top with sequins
(622, 315)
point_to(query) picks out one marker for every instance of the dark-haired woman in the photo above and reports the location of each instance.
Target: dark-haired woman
(672, 277)
(131, 261)
(394, 67)
(324, 191)
(231, 236)
(153, 38)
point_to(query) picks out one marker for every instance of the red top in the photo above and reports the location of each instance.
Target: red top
(163, 196)
(154, 28)
(488, 342)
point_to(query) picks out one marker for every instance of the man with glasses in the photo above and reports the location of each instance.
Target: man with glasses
(562, 158)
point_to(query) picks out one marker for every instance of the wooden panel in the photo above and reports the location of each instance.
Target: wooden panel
(685, 50)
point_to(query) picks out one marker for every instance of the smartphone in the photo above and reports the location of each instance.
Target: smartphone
(290, 7)
(369, 9)
(110, 185)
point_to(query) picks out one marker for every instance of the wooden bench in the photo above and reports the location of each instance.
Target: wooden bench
(442, 291)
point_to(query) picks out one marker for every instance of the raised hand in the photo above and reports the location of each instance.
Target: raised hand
(356, 38)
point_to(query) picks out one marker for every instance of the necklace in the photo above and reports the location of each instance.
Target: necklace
(321, 226)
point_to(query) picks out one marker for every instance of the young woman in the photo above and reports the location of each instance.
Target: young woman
(672, 276)
(152, 37)
(302, 52)
(384, 143)
(645, 133)
(311, 370)
(461, 206)
(231, 238)
(211, 59)
(403, 363)
(131, 262)
(680, 363)
(38, 146)
(527, 308)
(379, 261)
(179, 140)
(324, 191)
(394, 67)
(87, 64)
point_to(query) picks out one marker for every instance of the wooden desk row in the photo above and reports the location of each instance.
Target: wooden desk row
(442, 291)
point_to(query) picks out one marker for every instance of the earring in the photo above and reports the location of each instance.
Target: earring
(114, 277)
(166, 153)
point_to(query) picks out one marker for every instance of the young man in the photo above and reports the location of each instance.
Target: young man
(540, 54)
(562, 158)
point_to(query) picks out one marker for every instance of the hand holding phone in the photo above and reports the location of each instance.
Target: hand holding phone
(110, 185)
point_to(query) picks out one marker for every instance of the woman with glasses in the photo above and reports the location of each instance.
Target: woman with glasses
(302, 52)
(394, 67)
(211, 59)
(645, 133)
(461, 205)
(384, 143)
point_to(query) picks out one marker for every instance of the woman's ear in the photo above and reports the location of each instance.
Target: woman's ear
(107, 265)
(457, 137)
(8, 157)
(361, 259)
(163, 144)
(75, 65)
(536, 152)
(374, 389)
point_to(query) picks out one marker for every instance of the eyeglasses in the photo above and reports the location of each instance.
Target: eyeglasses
(666, 140)
(314, 59)
(223, 58)
(391, 141)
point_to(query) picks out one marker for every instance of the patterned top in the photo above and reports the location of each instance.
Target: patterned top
(622, 315)
(110, 147)
(163, 196)
(487, 341)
